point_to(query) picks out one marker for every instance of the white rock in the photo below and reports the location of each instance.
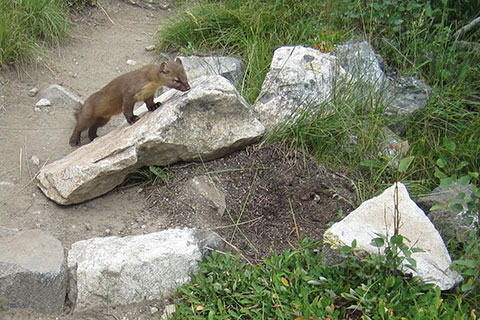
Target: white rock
(376, 216)
(43, 103)
(132, 269)
(299, 79)
(150, 47)
(33, 92)
(131, 62)
(35, 160)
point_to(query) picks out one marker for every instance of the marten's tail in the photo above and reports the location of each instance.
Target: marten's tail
(78, 110)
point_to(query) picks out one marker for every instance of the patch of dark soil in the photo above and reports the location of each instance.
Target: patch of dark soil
(273, 194)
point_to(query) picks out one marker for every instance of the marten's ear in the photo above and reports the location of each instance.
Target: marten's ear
(163, 67)
(178, 61)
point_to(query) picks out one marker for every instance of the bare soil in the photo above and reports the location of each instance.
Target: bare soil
(273, 193)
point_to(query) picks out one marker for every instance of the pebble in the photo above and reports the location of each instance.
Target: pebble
(43, 103)
(131, 62)
(35, 160)
(168, 312)
(150, 47)
(33, 92)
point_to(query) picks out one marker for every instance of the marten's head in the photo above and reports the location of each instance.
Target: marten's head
(174, 74)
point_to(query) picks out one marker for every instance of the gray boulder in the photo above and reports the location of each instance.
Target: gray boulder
(402, 95)
(451, 224)
(228, 67)
(32, 270)
(118, 271)
(207, 122)
(375, 216)
(361, 62)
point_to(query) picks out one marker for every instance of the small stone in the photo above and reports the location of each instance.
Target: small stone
(88, 226)
(108, 232)
(131, 62)
(33, 92)
(43, 103)
(168, 312)
(153, 310)
(35, 160)
(150, 47)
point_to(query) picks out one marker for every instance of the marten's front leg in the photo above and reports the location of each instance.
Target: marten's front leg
(128, 104)
(151, 106)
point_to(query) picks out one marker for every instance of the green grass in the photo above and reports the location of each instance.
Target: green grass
(27, 25)
(295, 285)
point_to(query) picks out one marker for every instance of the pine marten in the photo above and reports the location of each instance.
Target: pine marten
(121, 94)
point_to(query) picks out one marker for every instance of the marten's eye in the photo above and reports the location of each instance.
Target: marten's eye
(176, 80)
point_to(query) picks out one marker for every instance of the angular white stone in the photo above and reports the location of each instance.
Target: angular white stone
(43, 103)
(117, 271)
(376, 216)
(207, 122)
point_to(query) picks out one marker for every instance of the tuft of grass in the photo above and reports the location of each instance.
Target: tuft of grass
(25, 25)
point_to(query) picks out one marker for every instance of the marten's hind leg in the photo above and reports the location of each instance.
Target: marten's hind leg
(82, 124)
(100, 122)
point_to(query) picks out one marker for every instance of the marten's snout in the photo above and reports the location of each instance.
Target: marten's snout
(185, 87)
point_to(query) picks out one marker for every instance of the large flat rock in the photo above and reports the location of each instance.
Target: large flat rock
(207, 122)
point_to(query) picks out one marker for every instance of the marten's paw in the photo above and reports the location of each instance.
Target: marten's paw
(132, 119)
(74, 143)
(154, 106)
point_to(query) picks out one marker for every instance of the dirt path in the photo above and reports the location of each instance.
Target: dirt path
(102, 43)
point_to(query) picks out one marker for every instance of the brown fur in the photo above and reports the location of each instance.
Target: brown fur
(121, 94)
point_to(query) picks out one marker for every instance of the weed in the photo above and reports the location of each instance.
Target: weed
(26, 24)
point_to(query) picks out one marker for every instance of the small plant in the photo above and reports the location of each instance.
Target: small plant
(149, 175)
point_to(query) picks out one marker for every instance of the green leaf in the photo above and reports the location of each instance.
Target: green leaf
(390, 282)
(346, 249)
(397, 239)
(473, 174)
(449, 144)
(439, 174)
(377, 242)
(466, 263)
(437, 207)
(441, 163)
(464, 180)
(466, 287)
(405, 163)
(371, 164)
(446, 183)
(456, 207)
